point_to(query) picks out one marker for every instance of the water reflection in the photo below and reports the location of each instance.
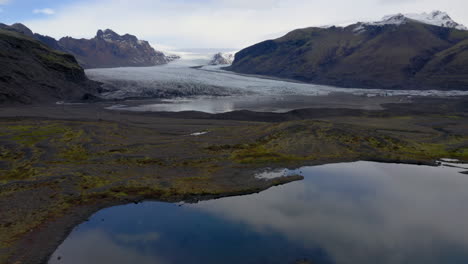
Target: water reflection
(342, 213)
(258, 103)
(96, 246)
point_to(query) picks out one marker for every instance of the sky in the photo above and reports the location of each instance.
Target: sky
(179, 24)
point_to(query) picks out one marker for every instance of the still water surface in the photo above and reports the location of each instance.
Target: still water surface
(360, 212)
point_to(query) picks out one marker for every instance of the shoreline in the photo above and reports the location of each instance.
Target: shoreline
(52, 234)
(78, 159)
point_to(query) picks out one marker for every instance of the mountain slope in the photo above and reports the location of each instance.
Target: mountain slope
(30, 72)
(109, 49)
(396, 53)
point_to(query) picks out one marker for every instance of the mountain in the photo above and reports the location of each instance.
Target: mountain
(30, 72)
(106, 50)
(222, 59)
(109, 49)
(426, 51)
(20, 28)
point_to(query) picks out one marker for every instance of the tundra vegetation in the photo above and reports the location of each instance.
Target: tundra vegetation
(54, 173)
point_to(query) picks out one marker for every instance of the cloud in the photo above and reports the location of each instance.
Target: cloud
(3, 2)
(222, 23)
(248, 4)
(44, 11)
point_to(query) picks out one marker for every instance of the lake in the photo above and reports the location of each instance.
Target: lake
(361, 212)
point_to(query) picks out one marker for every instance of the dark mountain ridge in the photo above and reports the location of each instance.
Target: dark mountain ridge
(401, 54)
(106, 50)
(31, 72)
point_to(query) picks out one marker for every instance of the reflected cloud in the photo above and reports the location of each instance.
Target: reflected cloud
(140, 238)
(363, 212)
(96, 247)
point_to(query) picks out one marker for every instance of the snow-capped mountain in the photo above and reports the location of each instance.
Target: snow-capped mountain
(222, 59)
(436, 18)
(425, 51)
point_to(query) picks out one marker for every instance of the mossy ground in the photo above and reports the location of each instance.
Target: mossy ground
(49, 168)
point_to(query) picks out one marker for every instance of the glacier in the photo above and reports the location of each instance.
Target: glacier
(192, 76)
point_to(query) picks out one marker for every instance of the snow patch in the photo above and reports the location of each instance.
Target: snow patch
(221, 58)
(450, 160)
(272, 174)
(196, 134)
(454, 163)
(436, 18)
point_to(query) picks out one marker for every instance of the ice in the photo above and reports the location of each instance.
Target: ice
(190, 76)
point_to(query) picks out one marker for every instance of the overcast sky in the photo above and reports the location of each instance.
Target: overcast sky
(206, 23)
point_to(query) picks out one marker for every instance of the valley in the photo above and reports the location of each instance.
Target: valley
(329, 145)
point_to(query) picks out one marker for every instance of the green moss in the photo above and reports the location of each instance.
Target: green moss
(217, 148)
(120, 194)
(75, 153)
(461, 154)
(260, 154)
(89, 182)
(194, 185)
(119, 151)
(21, 171)
(56, 58)
(193, 179)
(71, 135)
(430, 151)
(8, 154)
(137, 161)
(30, 135)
